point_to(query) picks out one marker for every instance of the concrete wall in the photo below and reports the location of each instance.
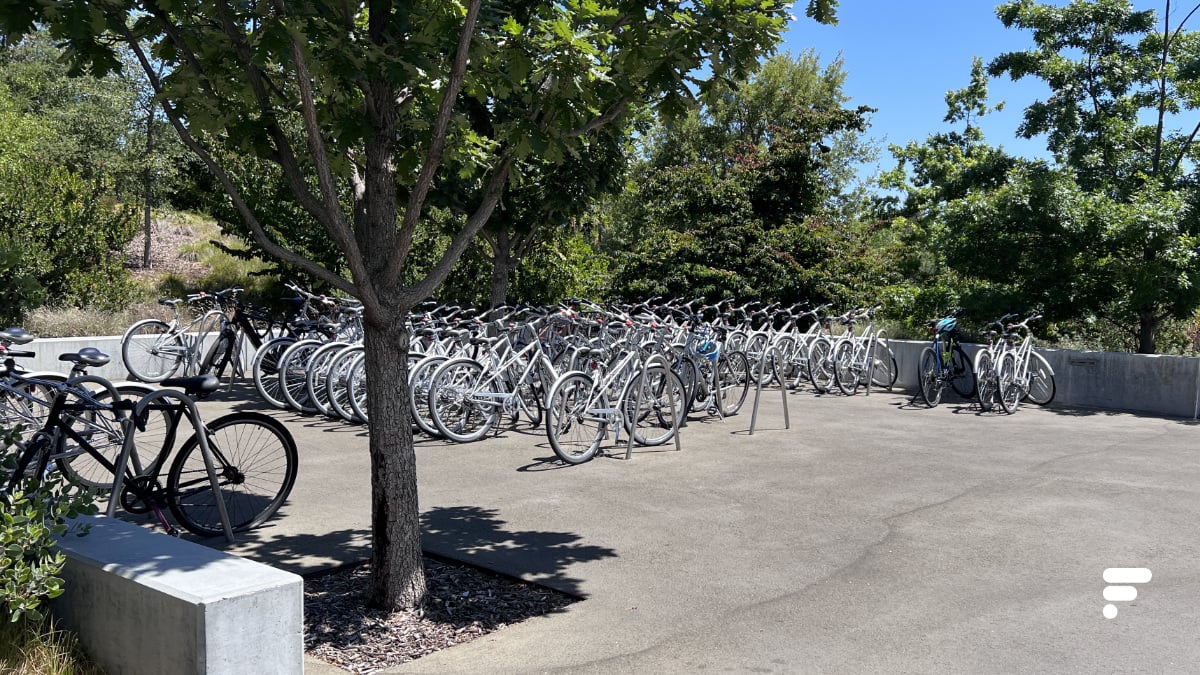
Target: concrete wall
(1159, 385)
(143, 602)
(48, 350)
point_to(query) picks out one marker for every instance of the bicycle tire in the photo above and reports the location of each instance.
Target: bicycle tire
(962, 375)
(733, 382)
(256, 462)
(820, 368)
(337, 384)
(453, 403)
(356, 388)
(529, 390)
(686, 369)
(82, 468)
(420, 377)
(786, 345)
(845, 375)
(293, 375)
(929, 377)
(265, 367)
(574, 432)
(1041, 381)
(151, 352)
(884, 370)
(318, 374)
(986, 381)
(218, 357)
(662, 392)
(1010, 389)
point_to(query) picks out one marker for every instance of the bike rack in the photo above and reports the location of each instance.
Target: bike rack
(777, 356)
(205, 452)
(676, 422)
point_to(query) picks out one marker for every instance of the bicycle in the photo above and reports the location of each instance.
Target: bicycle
(866, 358)
(1023, 373)
(986, 364)
(579, 412)
(230, 475)
(944, 362)
(153, 350)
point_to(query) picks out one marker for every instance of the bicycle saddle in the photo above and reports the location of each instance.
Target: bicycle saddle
(15, 336)
(194, 386)
(88, 356)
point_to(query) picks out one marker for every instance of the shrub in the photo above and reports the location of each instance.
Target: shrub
(32, 517)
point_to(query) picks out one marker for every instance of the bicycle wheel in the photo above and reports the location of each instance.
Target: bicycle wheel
(1041, 380)
(218, 356)
(420, 377)
(761, 368)
(337, 389)
(733, 382)
(103, 432)
(454, 401)
(151, 352)
(255, 461)
(1010, 389)
(786, 368)
(265, 367)
(986, 381)
(661, 392)
(27, 404)
(820, 368)
(845, 374)
(575, 425)
(356, 388)
(883, 369)
(293, 375)
(962, 377)
(929, 377)
(530, 391)
(318, 374)
(686, 369)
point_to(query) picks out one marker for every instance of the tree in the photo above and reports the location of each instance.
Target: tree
(367, 111)
(740, 196)
(1118, 83)
(1107, 228)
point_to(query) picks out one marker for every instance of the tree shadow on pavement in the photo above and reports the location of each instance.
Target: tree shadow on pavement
(477, 536)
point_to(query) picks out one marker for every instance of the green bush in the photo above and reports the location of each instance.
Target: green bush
(32, 516)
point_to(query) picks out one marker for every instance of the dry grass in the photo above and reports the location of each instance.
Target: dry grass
(50, 322)
(40, 649)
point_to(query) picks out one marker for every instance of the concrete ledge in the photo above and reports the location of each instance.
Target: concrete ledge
(144, 602)
(1147, 383)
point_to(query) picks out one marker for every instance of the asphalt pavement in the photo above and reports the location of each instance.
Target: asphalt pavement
(873, 535)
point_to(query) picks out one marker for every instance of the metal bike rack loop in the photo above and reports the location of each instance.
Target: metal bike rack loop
(675, 421)
(201, 438)
(776, 356)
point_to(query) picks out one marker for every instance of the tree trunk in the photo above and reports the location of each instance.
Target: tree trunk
(147, 187)
(501, 249)
(1147, 332)
(398, 575)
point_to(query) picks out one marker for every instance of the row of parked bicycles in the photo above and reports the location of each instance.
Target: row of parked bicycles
(141, 447)
(582, 371)
(1005, 371)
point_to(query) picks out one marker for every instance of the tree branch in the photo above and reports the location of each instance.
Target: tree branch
(491, 196)
(613, 113)
(256, 229)
(437, 147)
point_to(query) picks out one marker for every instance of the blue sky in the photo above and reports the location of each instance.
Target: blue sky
(902, 56)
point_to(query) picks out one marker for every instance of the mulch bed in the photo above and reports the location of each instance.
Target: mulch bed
(464, 603)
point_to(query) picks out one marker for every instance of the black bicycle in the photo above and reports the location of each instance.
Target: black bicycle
(229, 475)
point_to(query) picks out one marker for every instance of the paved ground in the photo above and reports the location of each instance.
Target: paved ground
(872, 536)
